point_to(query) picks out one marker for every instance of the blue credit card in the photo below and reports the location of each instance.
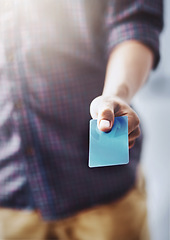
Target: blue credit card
(109, 149)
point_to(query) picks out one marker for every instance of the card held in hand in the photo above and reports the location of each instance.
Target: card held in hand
(109, 149)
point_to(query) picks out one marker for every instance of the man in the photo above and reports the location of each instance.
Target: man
(55, 58)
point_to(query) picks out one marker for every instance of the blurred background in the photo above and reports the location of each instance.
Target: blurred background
(153, 106)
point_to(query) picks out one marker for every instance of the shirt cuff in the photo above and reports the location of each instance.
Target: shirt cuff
(135, 31)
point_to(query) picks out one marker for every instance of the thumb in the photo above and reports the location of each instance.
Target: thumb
(105, 118)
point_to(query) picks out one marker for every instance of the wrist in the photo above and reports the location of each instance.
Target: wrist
(121, 92)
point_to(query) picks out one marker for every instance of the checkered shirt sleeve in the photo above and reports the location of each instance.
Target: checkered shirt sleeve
(140, 20)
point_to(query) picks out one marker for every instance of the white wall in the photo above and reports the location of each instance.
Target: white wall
(153, 105)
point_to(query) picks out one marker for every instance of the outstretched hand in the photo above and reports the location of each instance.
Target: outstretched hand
(104, 109)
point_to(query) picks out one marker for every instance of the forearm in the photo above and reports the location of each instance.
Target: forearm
(128, 68)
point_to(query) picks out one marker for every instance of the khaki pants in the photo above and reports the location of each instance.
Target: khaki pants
(125, 219)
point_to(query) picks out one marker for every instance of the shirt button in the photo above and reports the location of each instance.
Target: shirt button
(18, 104)
(10, 57)
(29, 151)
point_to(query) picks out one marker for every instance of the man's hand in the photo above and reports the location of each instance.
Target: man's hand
(127, 70)
(104, 109)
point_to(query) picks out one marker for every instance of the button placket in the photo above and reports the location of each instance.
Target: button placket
(19, 105)
(29, 151)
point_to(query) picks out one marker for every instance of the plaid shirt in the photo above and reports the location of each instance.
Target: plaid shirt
(53, 56)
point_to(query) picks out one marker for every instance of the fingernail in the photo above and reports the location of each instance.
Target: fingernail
(104, 124)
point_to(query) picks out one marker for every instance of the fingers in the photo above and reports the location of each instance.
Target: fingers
(132, 137)
(131, 144)
(102, 109)
(105, 117)
(133, 128)
(134, 134)
(104, 125)
(133, 121)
